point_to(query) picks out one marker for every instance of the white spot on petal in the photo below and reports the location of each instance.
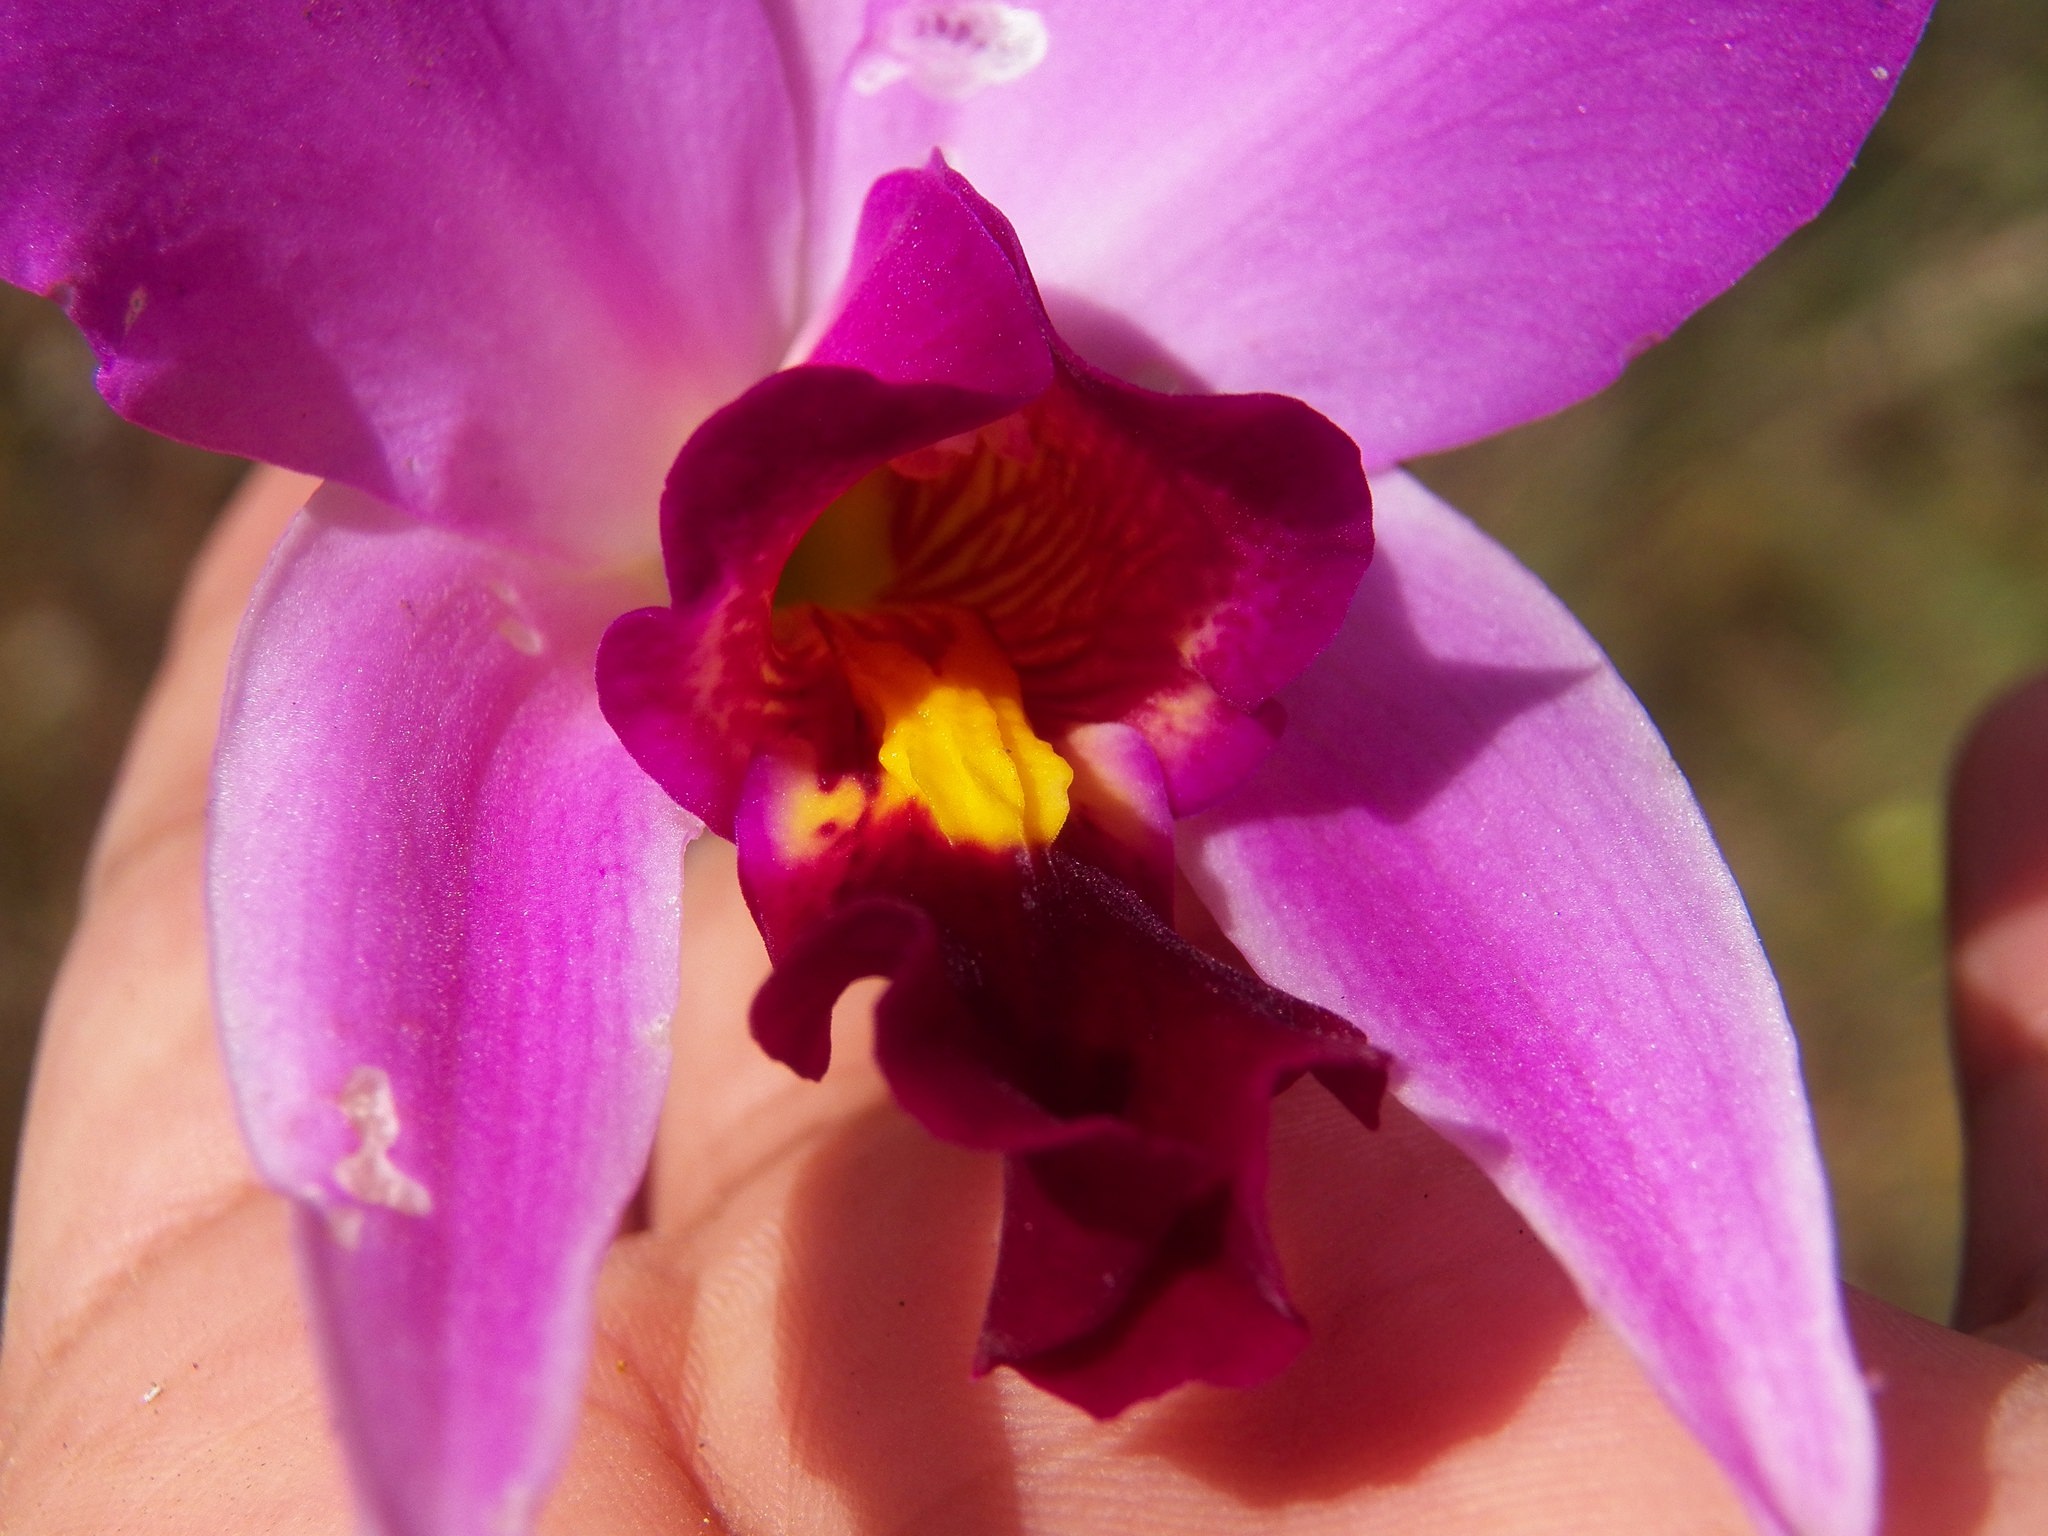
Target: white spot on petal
(156, 1390)
(951, 52)
(517, 628)
(876, 72)
(521, 636)
(1879, 72)
(368, 1173)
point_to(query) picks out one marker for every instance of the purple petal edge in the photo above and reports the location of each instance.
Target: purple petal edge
(445, 915)
(1472, 843)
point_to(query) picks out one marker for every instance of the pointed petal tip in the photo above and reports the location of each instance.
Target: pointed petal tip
(445, 917)
(1472, 840)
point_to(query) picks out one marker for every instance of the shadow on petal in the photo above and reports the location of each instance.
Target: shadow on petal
(1396, 1248)
(892, 1243)
(145, 301)
(1117, 346)
(1423, 717)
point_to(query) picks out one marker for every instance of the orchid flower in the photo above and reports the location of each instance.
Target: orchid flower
(1016, 550)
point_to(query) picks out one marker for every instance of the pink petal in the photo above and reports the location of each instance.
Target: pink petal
(1430, 219)
(486, 262)
(445, 919)
(1472, 844)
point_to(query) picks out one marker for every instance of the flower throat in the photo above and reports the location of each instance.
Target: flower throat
(931, 683)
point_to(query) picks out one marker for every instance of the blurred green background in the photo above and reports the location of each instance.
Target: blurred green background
(1810, 529)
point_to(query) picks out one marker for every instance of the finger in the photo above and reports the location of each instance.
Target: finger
(732, 1111)
(154, 1344)
(1998, 904)
(129, 1133)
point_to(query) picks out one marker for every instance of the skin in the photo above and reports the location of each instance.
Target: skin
(782, 1339)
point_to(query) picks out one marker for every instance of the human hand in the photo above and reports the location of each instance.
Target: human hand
(783, 1342)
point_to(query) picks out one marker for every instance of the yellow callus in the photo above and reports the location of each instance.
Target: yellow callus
(812, 816)
(955, 739)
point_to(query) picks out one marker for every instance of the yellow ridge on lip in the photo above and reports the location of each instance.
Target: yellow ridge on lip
(955, 738)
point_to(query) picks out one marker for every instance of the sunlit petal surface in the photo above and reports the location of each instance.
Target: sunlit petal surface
(445, 919)
(489, 262)
(1472, 844)
(1430, 219)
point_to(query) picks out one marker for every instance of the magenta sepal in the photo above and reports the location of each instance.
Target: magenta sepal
(1430, 219)
(1472, 842)
(444, 909)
